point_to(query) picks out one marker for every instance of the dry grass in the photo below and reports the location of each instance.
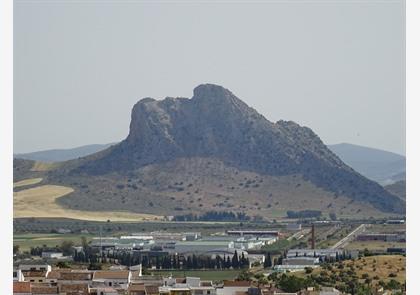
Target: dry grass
(197, 185)
(41, 202)
(27, 182)
(382, 266)
(374, 245)
(41, 166)
(376, 267)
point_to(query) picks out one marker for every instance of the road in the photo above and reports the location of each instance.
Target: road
(343, 242)
(300, 234)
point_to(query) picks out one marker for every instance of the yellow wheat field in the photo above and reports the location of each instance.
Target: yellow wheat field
(40, 201)
(26, 182)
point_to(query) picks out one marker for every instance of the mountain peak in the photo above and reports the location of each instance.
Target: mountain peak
(210, 90)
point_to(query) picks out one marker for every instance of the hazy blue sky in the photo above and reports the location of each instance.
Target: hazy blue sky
(335, 66)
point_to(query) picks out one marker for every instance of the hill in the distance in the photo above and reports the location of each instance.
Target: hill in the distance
(378, 165)
(398, 188)
(59, 155)
(213, 152)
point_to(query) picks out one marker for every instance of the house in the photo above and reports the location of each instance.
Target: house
(75, 277)
(174, 290)
(147, 280)
(22, 288)
(35, 276)
(120, 278)
(199, 287)
(18, 275)
(186, 286)
(105, 291)
(32, 265)
(232, 287)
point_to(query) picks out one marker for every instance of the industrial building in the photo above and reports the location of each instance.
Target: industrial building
(300, 261)
(254, 233)
(385, 237)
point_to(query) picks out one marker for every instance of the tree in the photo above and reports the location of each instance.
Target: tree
(84, 243)
(292, 283)
(244, 276)
(308, 270)
(15, 249)
(67, 247)
(267, 260)
(235, 260)
(228, 263)
(63, 264)
(95, 266)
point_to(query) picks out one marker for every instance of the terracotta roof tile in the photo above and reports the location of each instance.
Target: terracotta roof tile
(136, 287)
(75, 276)
(21, 287)
(118, 274)
(43, 290)
(54, 274)
(237, 284)
(151, 289)
(82, 289)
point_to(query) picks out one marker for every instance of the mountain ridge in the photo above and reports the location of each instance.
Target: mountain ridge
(381, 166)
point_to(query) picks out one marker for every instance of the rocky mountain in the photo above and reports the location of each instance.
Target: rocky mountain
(381, 166)
(58, 155)
(194, 152)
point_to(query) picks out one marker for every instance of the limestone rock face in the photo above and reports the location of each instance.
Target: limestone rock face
(214, 123)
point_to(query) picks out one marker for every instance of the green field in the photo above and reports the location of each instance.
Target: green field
(26, 241)
(214, 275)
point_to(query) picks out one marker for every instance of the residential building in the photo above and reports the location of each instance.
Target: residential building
(18, 275)
(35, 276)
(119, 278)
(32, 265)
(233, 287)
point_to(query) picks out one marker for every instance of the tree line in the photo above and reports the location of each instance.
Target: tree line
(167, 261)
(304, 214)
(214, 216)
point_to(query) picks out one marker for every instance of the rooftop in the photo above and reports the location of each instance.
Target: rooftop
(21, 287)
(120, 274)
(236, 284)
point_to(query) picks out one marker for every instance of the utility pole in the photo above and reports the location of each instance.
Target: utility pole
(100, 241)
(313, 237)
